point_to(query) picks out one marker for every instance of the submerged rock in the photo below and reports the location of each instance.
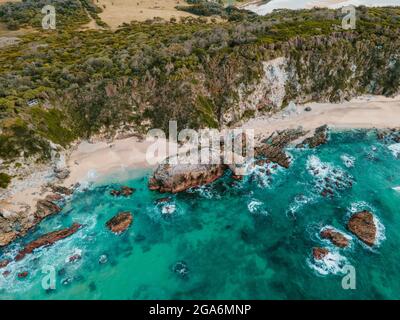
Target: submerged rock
(336, 237)
(320, 253)
(23, 274)
(320, 137)
(362, 224)
(120, 222)
(180, 177)
(47, 240)
(181, 269)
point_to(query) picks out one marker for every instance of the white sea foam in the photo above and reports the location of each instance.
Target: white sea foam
(396, 189)
(327, 176)
(332, 263)
(395, 148)
(256, 206)
(348, 160)
(168, 208)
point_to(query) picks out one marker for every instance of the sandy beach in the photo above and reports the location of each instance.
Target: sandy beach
(365, 112)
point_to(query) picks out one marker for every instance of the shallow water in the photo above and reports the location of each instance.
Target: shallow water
(238, 240)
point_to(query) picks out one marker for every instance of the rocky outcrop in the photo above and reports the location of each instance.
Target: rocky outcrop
(7, 237)
(4, 263)
(320, 253)
(120, 222)
(124, 191)
(47, 240)
(23, 274)
(320, 137)
(362, 224)
(62, 190)
(45, 208)
(336, 237)
(273, 148)
(180, 177)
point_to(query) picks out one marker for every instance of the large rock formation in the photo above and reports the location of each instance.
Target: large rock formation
(47, 240)
(336, 237)
(362, 224)
(120, 222)
(180, 177)
(273, 148)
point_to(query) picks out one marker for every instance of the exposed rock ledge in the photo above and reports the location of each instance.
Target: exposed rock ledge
(47, 240)
(336, 237)
(120, 222)
(362, 224)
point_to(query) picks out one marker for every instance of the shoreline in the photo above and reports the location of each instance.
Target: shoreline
(91, 162)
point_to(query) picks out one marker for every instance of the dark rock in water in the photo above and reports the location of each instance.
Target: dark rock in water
(120, 222)
(181, 269)
(4, 263)
(45, 208)
(180, 177)
(363, 226)
(140, 237)
(47, 240)
(6, 273)
(236, 177)
(22, 275)
(273, 147)
(74, 258)
(163, 200)
(337, 238)
(92, 286)
(320, 137)
(124, 191)
(320, 253)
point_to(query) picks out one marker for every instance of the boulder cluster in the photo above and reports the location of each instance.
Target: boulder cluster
(361, 224)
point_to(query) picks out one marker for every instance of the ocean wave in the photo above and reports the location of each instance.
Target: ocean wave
(256, 206)
(328, 178)
(348, 160)
(332, 263)
(299, 202)
(395, 148)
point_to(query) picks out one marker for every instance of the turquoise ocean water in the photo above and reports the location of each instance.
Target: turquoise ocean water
(233, 240)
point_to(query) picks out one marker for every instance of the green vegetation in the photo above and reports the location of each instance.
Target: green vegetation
(15, 15)
(5, 180)
(152, 72)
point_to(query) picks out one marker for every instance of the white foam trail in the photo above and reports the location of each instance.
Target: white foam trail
(396, 189)
(257, 207)
(395, 148)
